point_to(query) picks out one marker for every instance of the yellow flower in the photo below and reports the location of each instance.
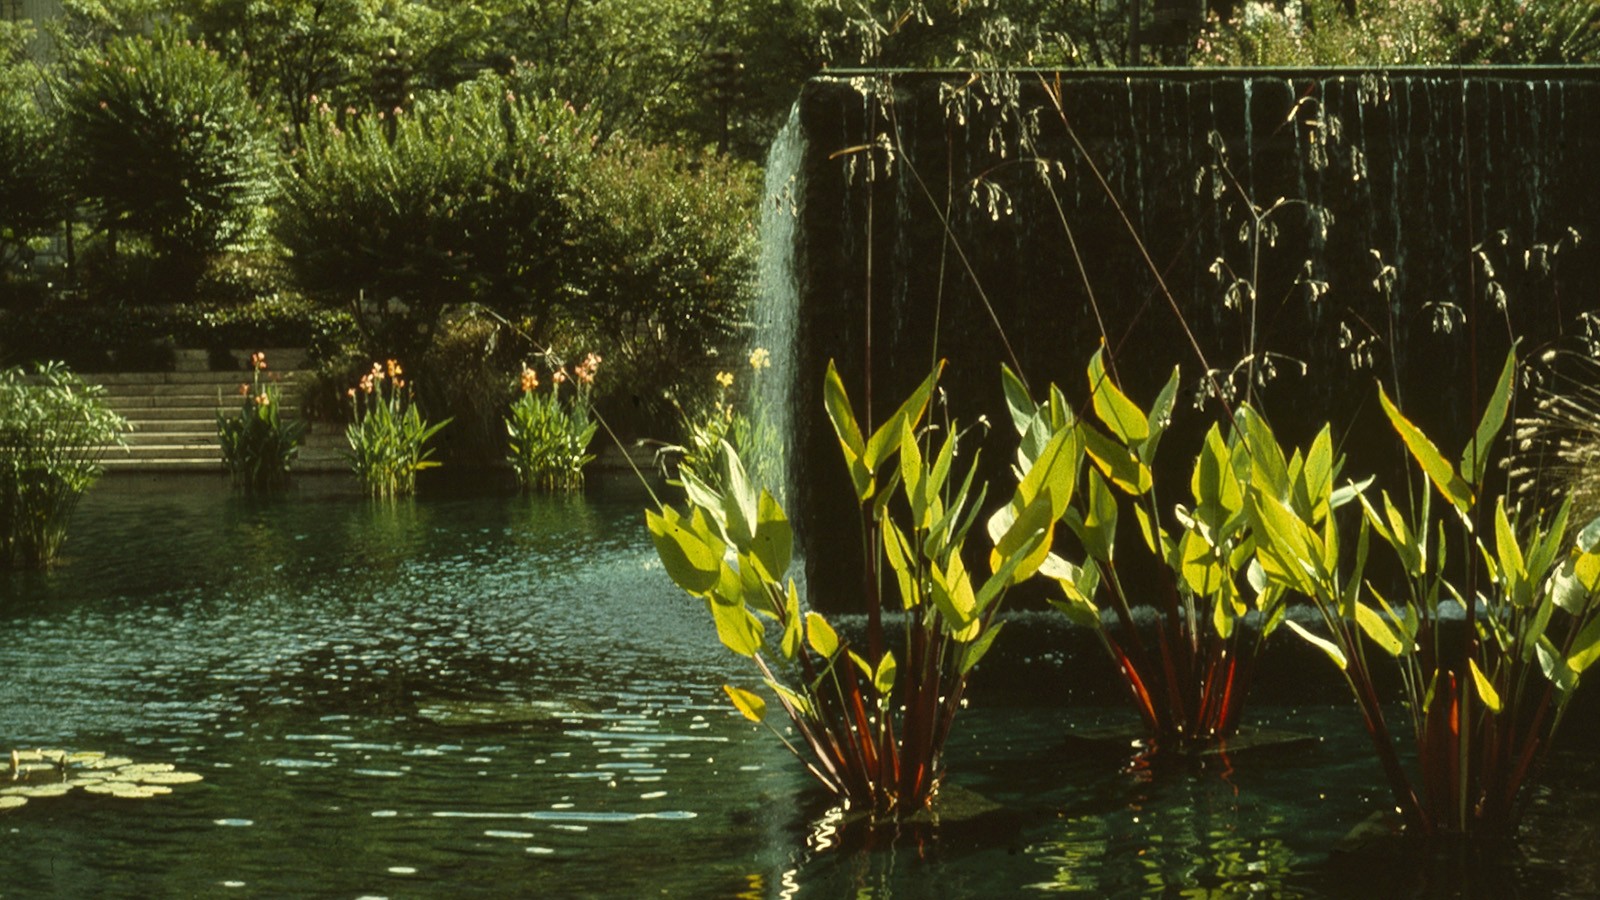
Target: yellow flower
(394, 368)
(760, 359)
(725, 379)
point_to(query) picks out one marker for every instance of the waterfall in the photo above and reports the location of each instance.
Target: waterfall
(777, 300)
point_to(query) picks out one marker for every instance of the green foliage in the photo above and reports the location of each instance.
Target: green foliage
(663, 259)
(387, 433)
(550, 436)
(1405, 32)
(258, 446)
(1191, 686)
(465, 204)
(873, 719)
(32, 189)
(54, 429)
(1485, 697)
(167, 144)
(736, 416)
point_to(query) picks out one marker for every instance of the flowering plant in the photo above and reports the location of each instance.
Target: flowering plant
(749, 431)
(388, 435)
(258, 446)
(550, 434)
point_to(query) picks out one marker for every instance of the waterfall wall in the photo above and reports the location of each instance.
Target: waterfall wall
(1317, 232)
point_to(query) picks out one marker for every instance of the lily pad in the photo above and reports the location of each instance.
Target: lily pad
(110, 762)
(142, 769)
(12, 802)
(172, 778)
(58, 789)
(127, 790)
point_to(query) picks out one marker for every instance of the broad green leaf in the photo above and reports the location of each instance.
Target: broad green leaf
(1285, 545)
(750, 705)
(1555, 667)
(1316, 477)
(739, 502)
(1323, 644)
(773, 545)
(1145, 530)
(1475, 458)
(1160, 418)
(1020, 537)
(1099, 529)
(737, 628)
(793, 623)
(887, 438)
(1118, 463)
(973, 652)
(1055, 471)
(821, 635)
(691, 556)
(914, 476)
(1508, 551)
(953, 593)
(899, 556)
(1378, 629)
(1018, 403)
(1585, 648)
(1269, 470)
(1588, 539)
(1427, 455)
(883, 678)
(843, 418)
(1113, 408)
(1486, 691)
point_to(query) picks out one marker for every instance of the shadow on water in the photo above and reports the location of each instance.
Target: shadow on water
(504, 696)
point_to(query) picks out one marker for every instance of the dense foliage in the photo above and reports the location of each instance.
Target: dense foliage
(166, 143)
(402, 217)
(54, 429)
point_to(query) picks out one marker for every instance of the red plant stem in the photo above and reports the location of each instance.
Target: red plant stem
(1360, 679)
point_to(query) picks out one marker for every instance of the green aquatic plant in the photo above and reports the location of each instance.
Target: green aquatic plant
(871, 719)
(1491, 623)
(737, 415)
(388, 435)
(1189, 674)
(549, 435)
(258, 446)
(54, 430)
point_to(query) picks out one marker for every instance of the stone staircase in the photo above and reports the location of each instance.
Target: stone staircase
(174, 419)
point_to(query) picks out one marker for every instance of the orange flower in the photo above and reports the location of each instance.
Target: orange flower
(394, 368)
(559, 376)
(258, 360)
(529, 381)
(586, 369)
(244, 388)
(263, 398)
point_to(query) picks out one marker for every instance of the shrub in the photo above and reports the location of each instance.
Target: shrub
(388, 435)
(167, 144)
(664, 252)
(549, 435)
(464, 204)
(258, 446)
(54, 429)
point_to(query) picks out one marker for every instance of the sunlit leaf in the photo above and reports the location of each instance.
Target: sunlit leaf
(1475, 458)
(1323, 644)
(1486, 691)
(1112, 407)
(749, 704)
(821, 635)
(1427, 455)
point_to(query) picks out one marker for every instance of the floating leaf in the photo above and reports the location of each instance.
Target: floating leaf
(172, 778)
(12, 802)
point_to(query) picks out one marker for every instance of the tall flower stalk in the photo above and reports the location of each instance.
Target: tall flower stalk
(387, 433)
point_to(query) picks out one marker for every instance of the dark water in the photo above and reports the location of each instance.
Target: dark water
(500, 696)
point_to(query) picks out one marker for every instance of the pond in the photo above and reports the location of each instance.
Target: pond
(483, 695)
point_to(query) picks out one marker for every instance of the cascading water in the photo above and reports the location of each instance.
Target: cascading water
(777, 303)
